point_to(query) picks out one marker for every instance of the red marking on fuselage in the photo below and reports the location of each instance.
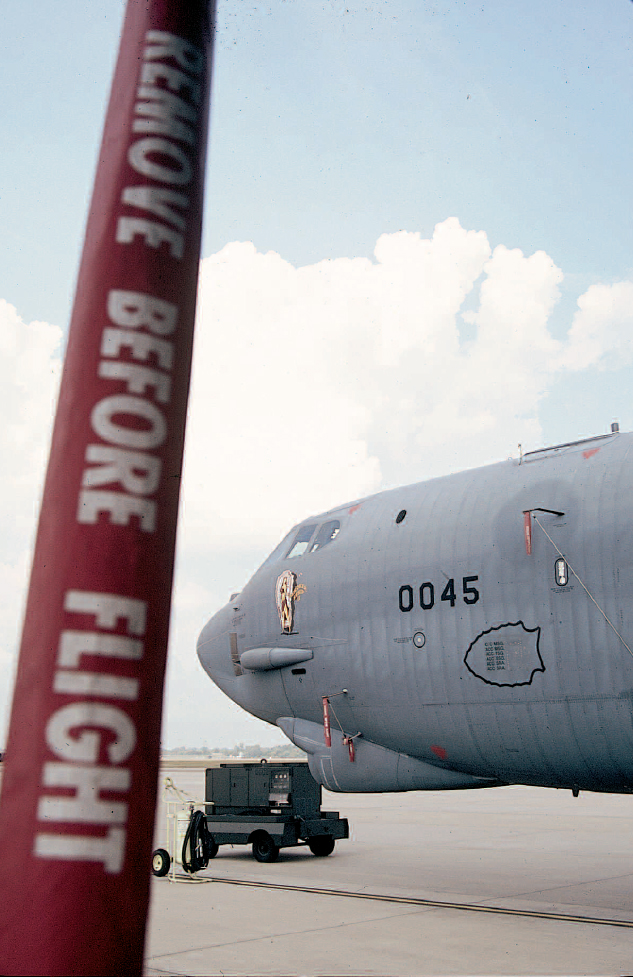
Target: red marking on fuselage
(354, 508)
(590, 452)
(327, 733)
(439, 752)
(527, 531)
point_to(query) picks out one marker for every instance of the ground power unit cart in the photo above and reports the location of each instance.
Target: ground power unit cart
(268, 805)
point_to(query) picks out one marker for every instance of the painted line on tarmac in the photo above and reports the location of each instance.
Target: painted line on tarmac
(429, 903)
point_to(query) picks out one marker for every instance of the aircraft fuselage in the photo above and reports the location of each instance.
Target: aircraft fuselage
(460, 642)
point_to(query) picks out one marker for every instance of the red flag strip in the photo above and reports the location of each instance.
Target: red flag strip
(327, 732)
(527, 531)
(79, 790)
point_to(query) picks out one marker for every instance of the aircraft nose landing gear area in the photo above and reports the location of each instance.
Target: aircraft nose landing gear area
(266, 805)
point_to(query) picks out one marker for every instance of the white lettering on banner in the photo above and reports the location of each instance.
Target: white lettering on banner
(176, 81)
(130, 227)
(135, 310)
(87, 745)
(86, 804)
(140, 344)
(138, 378)
(137, 471)
(103, 423)
(108, 610)
(116, 419)
(166, 45)
(119, 507)
(158, 201)
(132, 424)
(95, 683)
(94, 734)
(164, 115)
(167, 116)
(166, 120)
(83, 734)
(74, 644)
(110, 851)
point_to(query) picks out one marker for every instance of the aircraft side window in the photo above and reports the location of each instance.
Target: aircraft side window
(301, 541)
(325, 535)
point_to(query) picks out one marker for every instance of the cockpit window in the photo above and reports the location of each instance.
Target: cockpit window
(305, 539)
(325, 535)
(301, 540)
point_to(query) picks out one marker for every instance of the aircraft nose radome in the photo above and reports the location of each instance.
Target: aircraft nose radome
(214, 648)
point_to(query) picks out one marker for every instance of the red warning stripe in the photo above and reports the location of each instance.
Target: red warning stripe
(79, 786)
(351, 750)
(327, 732)
(527, 531)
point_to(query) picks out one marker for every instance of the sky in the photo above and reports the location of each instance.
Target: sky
(417, 251)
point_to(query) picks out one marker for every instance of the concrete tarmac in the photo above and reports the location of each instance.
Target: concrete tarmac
(513, 848)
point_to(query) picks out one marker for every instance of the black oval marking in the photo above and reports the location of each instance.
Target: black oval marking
(493, 656)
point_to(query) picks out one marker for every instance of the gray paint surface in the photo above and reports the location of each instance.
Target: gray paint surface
(464, 661)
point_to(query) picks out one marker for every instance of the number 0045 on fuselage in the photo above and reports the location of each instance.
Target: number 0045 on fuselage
(464, 632)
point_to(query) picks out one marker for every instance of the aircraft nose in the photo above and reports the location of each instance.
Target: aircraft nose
(215, 649)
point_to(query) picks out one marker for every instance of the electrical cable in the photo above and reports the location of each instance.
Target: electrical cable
(198, 844)
(429, 903)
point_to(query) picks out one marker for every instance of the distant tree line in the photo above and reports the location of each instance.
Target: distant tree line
(247, 751)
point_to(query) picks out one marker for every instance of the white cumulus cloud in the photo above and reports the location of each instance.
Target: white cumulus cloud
(602, 330)
(313, 386)
(30, 366)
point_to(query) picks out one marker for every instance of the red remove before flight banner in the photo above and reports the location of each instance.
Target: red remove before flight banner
(79, 786)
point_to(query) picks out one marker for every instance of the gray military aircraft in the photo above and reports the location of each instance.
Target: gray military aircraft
(469, 631)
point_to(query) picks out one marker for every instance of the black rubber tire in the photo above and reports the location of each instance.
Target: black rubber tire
(321, 846)
(160, 862)
(264, 848)
(212, 848)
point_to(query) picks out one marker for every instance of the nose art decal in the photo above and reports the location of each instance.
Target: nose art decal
(287, 591)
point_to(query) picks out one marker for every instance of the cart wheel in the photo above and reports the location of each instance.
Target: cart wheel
(321, 845)
(264, 848)
(212, 847)
(160, 862)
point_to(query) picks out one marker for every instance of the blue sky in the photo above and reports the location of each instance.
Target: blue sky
(335, 122)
